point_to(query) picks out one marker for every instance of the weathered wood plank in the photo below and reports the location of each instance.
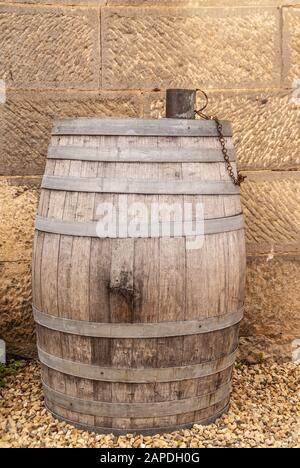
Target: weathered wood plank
(139, 127)
(161, 230)
(171, 272)
(142, 154)
(154, 187)
(80, 286)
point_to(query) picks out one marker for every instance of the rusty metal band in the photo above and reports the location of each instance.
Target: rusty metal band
(162, 229)
(136, 375)
(140, 127)
(138, 154)
(137, 330)
(138, 186)
(136, 410)
(130, 430)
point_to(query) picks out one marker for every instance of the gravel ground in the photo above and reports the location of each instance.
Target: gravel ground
(265, 412)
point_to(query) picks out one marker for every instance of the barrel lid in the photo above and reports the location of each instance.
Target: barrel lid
(140, 127)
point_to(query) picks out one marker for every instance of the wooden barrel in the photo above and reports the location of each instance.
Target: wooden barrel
(139, 331)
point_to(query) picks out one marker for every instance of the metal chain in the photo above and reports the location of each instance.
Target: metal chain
(240, 178)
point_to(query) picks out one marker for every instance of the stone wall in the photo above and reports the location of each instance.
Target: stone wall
(116, 58)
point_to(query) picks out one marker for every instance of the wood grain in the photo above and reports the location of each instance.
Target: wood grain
(139, 127)
(138, 154)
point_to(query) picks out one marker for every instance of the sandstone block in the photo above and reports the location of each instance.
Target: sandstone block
(50, 47)
(190, 47)
(27, 118)
(64, 2)
(291, 46)
(266, 125)
(193, 3)
(18, 205)
(258, 349)
(271, 207)
(272, 307)
(16, 321)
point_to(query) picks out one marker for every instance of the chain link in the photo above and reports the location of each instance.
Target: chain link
(240, 178)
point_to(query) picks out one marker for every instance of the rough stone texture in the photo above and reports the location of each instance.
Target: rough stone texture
(271, 322)
(291, 45)
(271, 206)
(193, 3)
(63, 2)
(262, 348)
(17, 212)
(27, 118)
(49, 47)
(151, 48)
(16, 322)
(182, 3)
(266, 125)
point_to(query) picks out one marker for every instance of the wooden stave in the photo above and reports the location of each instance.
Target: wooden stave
(139, 187)
(139, 127)
(152, 155)
(89, 229)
